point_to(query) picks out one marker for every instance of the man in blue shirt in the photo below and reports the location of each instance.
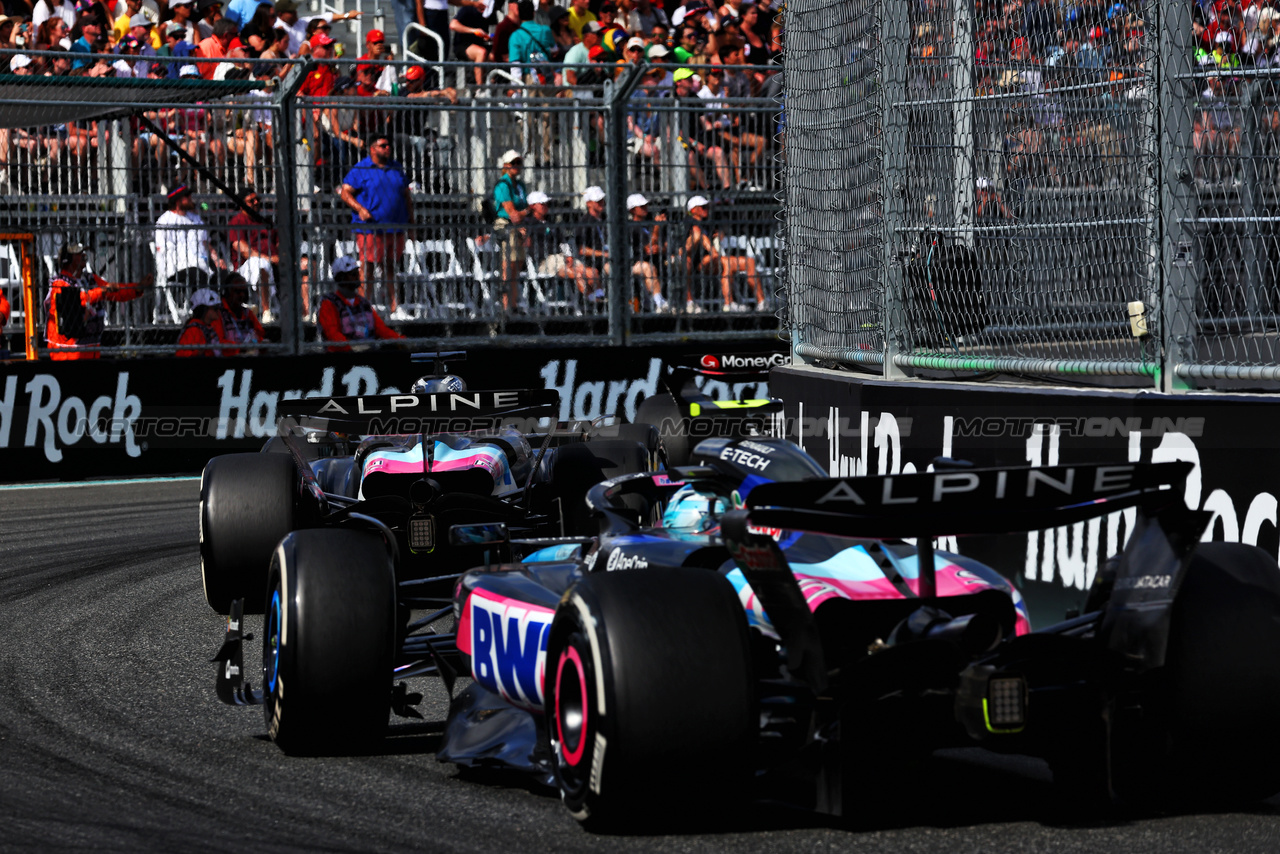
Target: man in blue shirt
(511, 199)
(378, 194)
(91, 39)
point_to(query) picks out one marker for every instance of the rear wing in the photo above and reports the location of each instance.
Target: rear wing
(728, 367)
(438, 412)
(960, 502)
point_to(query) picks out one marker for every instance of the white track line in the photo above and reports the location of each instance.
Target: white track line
(123, 482)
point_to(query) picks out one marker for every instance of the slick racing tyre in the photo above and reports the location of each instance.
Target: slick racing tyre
(646, 435)
(247, 503)
(1213, 739)
(662, 412)
(574, 470)
(650, 696)
(329, 641)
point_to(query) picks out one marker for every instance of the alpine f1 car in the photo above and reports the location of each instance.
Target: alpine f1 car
(780, 634)
(406, 467)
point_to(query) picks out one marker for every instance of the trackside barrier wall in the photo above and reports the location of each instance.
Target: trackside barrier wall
(125, 418)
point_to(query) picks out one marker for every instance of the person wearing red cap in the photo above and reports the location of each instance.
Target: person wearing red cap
(319, 83)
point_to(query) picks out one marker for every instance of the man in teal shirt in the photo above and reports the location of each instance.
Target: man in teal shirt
(511, 200)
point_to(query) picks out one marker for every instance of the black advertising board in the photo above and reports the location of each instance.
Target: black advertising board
(854, 425)
(102, 418)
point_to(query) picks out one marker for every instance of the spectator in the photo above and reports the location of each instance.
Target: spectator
(210, 14)
(319, 83)
(184, 254)
(645, 16)
(580, 54)
(5, 310)
(558, 21)
(579, 16)
(552, 256)
(255, 252)
(377, 192)
(287, 14)
(592, 237)
(91, 39)
(184, 12)
(647, 247)
(177, 46)
(510, 199)
(499, 48)
(240, 12)
(45, 9)
(235, 322)
(415, 86)
(756, 49)
(471, 37)
(697, 134)
(75, 305)
(345, 316)
(530, 44)
(199, 337)
(258, 33)
(703, 258)
(644, 120)
(217, 46)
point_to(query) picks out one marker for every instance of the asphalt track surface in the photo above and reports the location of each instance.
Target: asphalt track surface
(111, 737)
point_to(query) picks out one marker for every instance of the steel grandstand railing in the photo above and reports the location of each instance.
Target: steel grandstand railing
(103, 179)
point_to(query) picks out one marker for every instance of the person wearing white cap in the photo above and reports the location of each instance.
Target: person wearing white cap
(345, 316)
(20, 64)
(511, 200)
(701, 253)
(591, 239)
(550, 254)
(646, 248)
(199, 337)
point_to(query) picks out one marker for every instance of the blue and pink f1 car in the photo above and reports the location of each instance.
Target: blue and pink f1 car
(745, 626)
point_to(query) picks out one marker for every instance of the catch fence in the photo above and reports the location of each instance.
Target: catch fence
(628, 130)
(1039, 188)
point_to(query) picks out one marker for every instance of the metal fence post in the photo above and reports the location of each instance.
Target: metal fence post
(288, 227)
(1180, 267)
(616, 96)
(895, 32)
(964, 192)
(1252, 250)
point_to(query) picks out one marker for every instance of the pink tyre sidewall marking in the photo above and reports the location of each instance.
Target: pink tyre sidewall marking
(571, 655)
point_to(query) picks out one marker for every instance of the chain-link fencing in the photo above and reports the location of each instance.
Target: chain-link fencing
(1042, 188)
(613, 155)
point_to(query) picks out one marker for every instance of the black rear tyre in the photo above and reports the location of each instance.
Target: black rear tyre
(247, 503)
(673, 728)
(1215, 701)
(329, 642)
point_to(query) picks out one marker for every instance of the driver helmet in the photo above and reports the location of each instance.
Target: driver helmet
(692, 512)
(448, 382)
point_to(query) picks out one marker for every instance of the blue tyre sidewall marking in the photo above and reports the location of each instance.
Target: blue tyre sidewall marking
(273, 637)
